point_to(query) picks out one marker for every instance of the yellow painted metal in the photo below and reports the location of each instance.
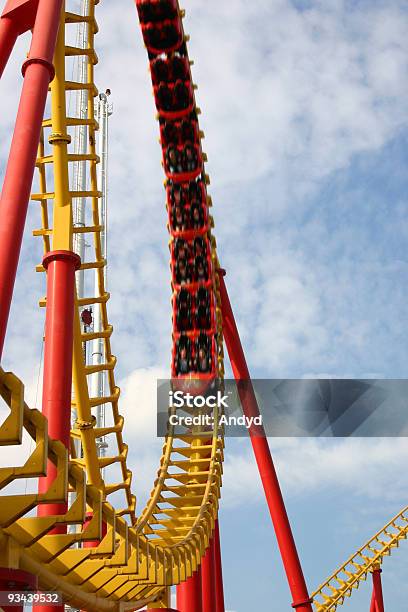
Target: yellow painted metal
(139, 556)
(162, 602)
(59, 139)
(334, 591)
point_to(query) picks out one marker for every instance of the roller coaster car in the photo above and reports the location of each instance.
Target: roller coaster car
(188, 267)
(166, 36)
(174, 100)
(180, 227)
(179, 132)
(193, 310)
(156, 10)
(197, 352)
(169, 70)
(183, 164)
(181, 194)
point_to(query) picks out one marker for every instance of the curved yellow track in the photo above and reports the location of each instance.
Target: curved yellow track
(140, 555)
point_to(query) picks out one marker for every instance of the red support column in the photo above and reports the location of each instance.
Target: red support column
(189, 594)
(302, 602)
(219, 588)
(14, 580)
(8, 37)
(38, 71)
(377, 600)
(18, 16)
(208, 584)
(56, 403)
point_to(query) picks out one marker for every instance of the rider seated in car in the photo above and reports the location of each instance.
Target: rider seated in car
(169, 133)
(173, 160)
(203, 317)
(170, 36)
(194, 191)
(180, 72)
(164, 97)
(203, 361)
(189, 158)
(183, 272)
(181, 249)
(199, 247)
(160, 70)
(187, 131)
(177, 195)
(183, 299)
(202, 297)
(184, 321)
(146, 12)
(165, 10)
(183, 361)
(153, 37)
(196, 216)
(200, 269)
(178, 222)
(181, 96)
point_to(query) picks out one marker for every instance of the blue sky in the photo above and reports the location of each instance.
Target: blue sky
(305, 115)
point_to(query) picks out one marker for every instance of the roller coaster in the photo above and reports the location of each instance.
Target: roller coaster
(72, 536)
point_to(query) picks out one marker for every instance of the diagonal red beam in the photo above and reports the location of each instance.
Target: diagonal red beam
(38, 71)
(273, 494)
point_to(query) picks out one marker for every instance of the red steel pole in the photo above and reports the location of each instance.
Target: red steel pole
(15, 581)
(208, 585)
(189, 597)
(377, 600)
(58, 348)
(297, 584)
(8, 37)
(219, 588)
(38, 71)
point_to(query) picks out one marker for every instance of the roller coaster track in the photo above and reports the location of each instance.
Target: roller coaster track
(139, 556)
(334, 591)
(130, 559)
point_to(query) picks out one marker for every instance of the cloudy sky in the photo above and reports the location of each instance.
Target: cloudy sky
(305, 116)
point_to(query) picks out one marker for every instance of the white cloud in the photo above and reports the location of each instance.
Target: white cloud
(366, 468)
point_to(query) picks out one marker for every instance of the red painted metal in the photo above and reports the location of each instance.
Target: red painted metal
(8, 37)
(377, 600)
(22, 13)
(189, 597)
(219, 588)
(273, 494)
(14, 580)
(93, 543)
(38, 71)
(56, 403)
(208, 579)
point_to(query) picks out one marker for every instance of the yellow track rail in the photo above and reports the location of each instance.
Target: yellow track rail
(139, 557)
(341, 583)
